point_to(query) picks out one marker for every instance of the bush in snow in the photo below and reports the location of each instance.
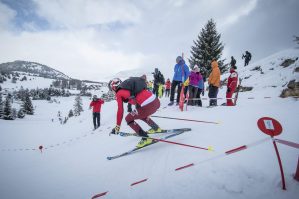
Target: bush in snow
(21, 113)
(71, 114)
(78, 108)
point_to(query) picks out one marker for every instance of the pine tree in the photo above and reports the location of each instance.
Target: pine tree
(1, 106)
(78, 106)
(27, 105)
(7, 111)
(206, 48)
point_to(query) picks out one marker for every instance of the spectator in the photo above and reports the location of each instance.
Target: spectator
(214, 83)
(247, 57)
(181, 73)
(158, 81)
(201, 90)
(193, 85)
(233, 61)
(231, 85)
(96, 111)
(167, 88)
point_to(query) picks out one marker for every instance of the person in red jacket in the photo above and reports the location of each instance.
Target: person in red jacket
(146, 104)
(231, 85)
(167, 88)
(96, 104)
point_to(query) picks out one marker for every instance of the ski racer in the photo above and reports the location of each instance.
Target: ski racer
(133, 91)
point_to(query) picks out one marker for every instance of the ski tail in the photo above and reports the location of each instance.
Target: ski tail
(238, 90)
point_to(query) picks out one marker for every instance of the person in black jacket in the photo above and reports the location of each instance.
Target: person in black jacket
(233, 62)
(158, 80)
(247, 57)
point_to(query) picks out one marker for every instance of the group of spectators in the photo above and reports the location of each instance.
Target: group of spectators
(193, 81)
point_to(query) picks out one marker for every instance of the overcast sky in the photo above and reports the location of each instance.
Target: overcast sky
(92, 39)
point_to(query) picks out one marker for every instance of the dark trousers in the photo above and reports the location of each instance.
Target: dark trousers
(172, 91)
(213, 91)
(96, 119)
(156, 90)
(192, 94)
(143, 113)
(246, 62)
(167, 92)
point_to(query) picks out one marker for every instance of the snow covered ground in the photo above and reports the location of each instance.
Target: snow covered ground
(73, 161)
(32, 82)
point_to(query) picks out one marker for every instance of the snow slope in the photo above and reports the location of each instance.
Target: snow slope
(32, 82)
(73, 162)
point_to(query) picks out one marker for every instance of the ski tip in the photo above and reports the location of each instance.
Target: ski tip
(219, 122)
(210, 148)
(109, 158)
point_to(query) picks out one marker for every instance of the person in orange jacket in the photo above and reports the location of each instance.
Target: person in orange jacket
(214, 83)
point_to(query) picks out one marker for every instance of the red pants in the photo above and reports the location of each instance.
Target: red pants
(143, 113)
(229, 102)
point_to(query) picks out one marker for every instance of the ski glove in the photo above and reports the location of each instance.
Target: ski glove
(115, 130)
(186, 83)
(228, 90)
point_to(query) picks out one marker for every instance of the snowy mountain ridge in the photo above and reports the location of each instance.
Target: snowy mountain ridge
(33, 68)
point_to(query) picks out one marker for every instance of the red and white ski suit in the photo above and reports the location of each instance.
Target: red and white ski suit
(231, 86)
(146, 104)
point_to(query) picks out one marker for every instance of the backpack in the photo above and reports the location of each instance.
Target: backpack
(134, 85)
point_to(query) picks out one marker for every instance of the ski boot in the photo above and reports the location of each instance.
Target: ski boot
(144, 141)
(171, 103)
(155, 129)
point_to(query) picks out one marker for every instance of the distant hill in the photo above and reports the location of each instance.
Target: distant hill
(32, 68)
(31, 75)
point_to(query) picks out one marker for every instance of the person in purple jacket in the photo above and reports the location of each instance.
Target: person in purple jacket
(193, 85)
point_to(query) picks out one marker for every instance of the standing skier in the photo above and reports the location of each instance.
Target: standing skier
(96, 104)
(181, 73)
(167, 88)
(233, 61)
(231, 85)
(133, 91)
(214, 83)
(201, 90)
(158, 82)
(247, 57)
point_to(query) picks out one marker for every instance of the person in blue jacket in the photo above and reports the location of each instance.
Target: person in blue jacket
(181, 73)
(201, 90)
